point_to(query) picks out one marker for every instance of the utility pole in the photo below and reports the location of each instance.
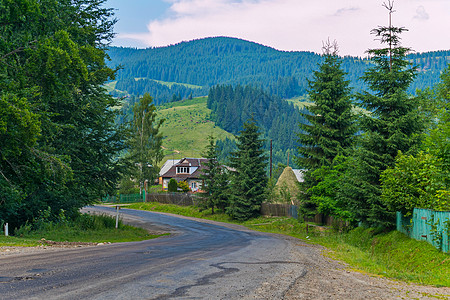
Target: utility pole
(270, 159)
(288, 160)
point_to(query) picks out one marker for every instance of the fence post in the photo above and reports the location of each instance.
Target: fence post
(6, 229)
(117, 216)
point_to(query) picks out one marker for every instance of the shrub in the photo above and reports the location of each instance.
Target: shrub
(173, 186)
(415, 181)
(184, 186)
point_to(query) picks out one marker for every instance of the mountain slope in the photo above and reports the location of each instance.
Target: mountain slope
(186, 127)
(222, 60)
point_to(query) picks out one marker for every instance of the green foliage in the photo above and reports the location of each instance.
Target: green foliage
(248, 180)
(328, 132)
(394, 124)
(232, 106)
(215, 187)
(414, 181)
(183, 186)
(145, 141)
(437, 142)
(128, 186)
(330, 126)
(325, 193)
(172, 187)
(59, 141)
(83, 228)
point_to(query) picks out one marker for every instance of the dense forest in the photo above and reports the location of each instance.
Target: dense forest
(277, 119)
(160, 92)
(222, 60)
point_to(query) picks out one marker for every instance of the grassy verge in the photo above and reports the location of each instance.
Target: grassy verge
(391, 255)
(85, 229)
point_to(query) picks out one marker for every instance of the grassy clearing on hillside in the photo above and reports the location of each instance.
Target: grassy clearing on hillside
(187, 127)
(391, 255)
(110, 86)
(169, 84)
(85, 229)
(300, 102)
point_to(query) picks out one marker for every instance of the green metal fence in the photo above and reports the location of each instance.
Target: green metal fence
(427, 225)
(130, 198)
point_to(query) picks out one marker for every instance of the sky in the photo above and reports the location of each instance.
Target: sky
(289, 25)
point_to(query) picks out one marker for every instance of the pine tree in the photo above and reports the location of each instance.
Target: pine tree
(331, 124)
(394, 124)
(249, 179)
(211, 181)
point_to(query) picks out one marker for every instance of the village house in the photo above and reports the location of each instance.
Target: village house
(185, 169)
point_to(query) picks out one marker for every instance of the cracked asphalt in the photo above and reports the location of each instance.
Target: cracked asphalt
(199, 260)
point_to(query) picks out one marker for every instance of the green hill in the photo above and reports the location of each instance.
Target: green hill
(186, 128)
(222, 60)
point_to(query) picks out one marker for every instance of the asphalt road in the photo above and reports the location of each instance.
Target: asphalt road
(199, 260)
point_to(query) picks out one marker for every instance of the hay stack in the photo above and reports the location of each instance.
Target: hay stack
(288, 181)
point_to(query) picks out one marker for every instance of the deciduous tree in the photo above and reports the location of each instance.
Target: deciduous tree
(145, 141)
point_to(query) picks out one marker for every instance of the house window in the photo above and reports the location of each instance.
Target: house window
(182, 170)
(194, 185)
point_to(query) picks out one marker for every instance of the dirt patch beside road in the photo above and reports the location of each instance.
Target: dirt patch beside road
(329, 279)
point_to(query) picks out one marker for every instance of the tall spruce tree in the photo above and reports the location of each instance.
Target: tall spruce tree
(394, 124)
(215, 180)
(331, 124)
(249, 179)
(210, 176)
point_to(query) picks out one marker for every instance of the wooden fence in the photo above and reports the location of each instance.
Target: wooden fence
(279, 210)
(427, 225)
(173, 198)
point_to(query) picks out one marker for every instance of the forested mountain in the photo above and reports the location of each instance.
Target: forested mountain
(277, 119)
(222, 60)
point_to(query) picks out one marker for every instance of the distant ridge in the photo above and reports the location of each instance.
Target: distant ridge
(224, 60)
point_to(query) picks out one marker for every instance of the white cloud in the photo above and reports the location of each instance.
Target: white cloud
(297, 24)
(421, 13)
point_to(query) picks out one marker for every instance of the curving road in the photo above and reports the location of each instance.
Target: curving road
(198, 260)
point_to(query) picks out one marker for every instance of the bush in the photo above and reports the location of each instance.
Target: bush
(173, 186)
(415, 181)
(184, 186)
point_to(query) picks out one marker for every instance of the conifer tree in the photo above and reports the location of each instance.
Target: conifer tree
(331, 126)
(211, 181)
(249, 177)
(394, 124)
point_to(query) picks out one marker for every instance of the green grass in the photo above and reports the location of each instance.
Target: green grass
(391, 255)
(86, 229)
(110, 86)
(187, 127)
(18, 241)
(300, 102)
(169, 84)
